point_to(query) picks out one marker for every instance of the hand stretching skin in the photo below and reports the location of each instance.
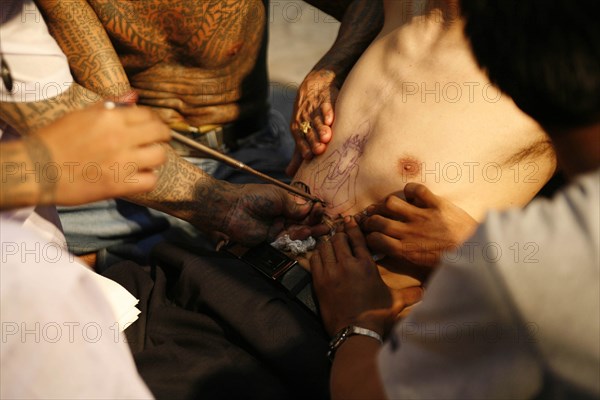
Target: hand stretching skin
(86, 156)
(419, 229)
(349, 287)
(314, 103)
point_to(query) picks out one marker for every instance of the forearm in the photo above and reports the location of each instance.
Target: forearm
(362, 21)
(22, 182)
(81, 36)
(356, 358)
(187, 192)
(27, 117)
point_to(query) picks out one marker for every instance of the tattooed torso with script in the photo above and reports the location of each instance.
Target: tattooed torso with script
(197, 58)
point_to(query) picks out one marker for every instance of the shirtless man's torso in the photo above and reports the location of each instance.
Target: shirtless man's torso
(200, 61)
(417, 108)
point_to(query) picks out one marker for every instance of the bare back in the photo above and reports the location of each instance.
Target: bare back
(416, 108)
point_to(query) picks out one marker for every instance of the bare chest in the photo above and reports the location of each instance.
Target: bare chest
(402, 119)
(200, 33)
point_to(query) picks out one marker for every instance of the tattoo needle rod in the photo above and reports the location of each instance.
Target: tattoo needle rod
(232, 162)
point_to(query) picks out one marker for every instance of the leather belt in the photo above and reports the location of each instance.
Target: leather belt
(213, 136)
(281, 270)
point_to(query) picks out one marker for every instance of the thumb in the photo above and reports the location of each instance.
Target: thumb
(294, 207)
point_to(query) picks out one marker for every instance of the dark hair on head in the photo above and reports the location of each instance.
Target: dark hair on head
(544, 53)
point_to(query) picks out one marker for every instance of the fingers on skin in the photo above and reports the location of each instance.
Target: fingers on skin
(390, 217)
(317, 129)
(380, 243)
(304, 141)
(341, 246)
(319, 230)
(327, 254)
(292, 208)
(395, 207)
(316, 267)
(298, 232)
(357, 239)
(420, 195)
(327, 111)
(386, 226)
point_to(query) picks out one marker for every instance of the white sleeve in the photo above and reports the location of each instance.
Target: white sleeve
(38, 66)
(59, 335)
(463, 341)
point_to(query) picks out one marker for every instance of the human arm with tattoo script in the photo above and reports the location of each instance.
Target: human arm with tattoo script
(96, 68)
(361, 21)
(92, 57)
(247, 214)
(50, 166)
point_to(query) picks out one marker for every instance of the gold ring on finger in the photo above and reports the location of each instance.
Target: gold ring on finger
(305, 127)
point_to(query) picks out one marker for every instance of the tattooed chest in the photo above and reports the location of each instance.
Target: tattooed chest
(207, 34)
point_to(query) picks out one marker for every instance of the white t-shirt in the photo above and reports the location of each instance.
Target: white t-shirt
(514, 313)
(60, 337)
(40, 71)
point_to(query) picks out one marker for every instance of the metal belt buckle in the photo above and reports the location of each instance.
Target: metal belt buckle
(268, 260)
(215, 139)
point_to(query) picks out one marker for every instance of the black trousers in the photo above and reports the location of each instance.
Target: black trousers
(213, 328)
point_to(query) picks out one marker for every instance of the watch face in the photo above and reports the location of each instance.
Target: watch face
(337, 341)
(339, 338)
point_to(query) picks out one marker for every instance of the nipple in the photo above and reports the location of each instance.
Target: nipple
(409, 167)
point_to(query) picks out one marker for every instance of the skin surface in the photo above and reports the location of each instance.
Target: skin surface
(476, 150)
(27, 117)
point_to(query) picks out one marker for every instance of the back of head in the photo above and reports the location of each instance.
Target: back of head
(544, 53)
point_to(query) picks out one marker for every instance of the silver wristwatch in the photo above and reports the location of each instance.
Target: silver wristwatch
(345, 333)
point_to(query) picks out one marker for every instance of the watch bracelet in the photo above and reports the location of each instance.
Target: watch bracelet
(348, 331)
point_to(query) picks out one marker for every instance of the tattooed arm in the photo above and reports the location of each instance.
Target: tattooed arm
(247, 214)
(362, 20)
(27, 117)
(51, 166)
(83, 39)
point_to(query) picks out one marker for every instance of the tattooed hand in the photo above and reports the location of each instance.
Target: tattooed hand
(361, 20)
(314, 104)
(250, 214)
(86, 156)
(419, 229)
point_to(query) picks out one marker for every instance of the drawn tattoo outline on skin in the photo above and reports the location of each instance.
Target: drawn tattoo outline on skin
(334, 178)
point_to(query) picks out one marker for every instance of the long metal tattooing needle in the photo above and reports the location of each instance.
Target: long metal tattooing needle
(232, 162)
